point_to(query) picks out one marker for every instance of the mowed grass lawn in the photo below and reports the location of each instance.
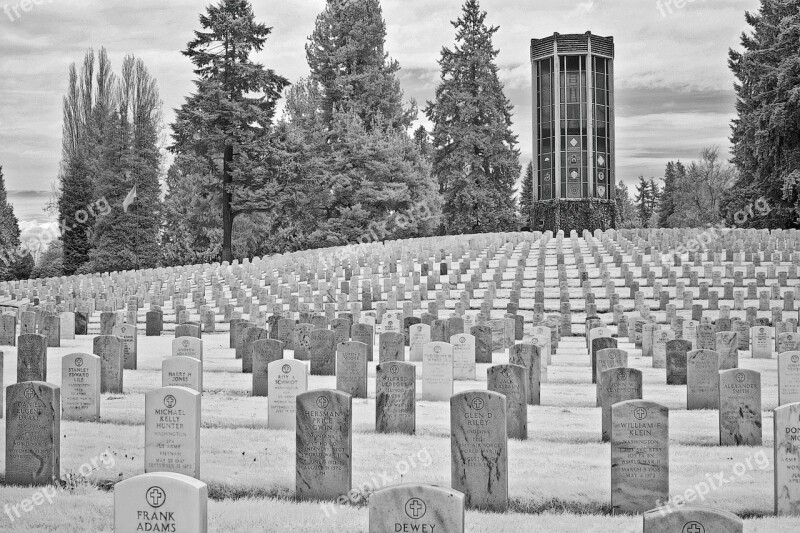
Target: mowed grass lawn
(559, 479)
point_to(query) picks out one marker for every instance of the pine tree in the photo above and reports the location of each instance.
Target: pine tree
(666, 207)
(766, 134)
(643, 201)
(9, 225)
(423, 140)
(303, 105)
(526, 197)
(192, 213)
(347, 59)
(193, 218)
(654, 198)
(344, 169)
(9, 233)
(374, 185)
(476, 161)
(230, 115)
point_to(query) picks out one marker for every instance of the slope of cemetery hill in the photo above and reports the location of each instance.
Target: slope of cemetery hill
(559, 477)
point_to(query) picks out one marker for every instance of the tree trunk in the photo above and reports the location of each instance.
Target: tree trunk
(227, 213)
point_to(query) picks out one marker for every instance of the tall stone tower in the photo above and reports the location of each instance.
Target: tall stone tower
(573, 132)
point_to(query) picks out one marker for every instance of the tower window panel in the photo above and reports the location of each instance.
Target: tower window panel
(546, 180)
(572, 79)
(544, 66)
(600, 81)
(600, 97)
(573, 128)
(573, 94)
(600, 65)
(573, 62)
(574, 111)
(544, 89)
(600, 114)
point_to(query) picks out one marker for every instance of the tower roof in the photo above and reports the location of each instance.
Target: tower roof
(572, 43)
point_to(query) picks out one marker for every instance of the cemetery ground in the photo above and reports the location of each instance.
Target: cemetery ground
(559, 478)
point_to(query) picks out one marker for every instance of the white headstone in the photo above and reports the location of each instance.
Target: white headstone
(287, 379)
(419, 335)
(187, 347)
(161, 501)
(437, 371)
(67, 325)
(172, 431)
(761, 342)
(463, 356)
(80, 387)
(182, 371)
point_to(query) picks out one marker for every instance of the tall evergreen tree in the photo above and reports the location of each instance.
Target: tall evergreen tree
(347, 59)
(476, 161)
(193, 218)
(230, 115)
(766, 133)
(666, 207)
(643, 200)
(654, 200)
(371, 177)
(302, 106)
(9, 225)
(344, 163)
(127, 237)
(10, 252)
(423, 140)
(88, 115)
(526, 197)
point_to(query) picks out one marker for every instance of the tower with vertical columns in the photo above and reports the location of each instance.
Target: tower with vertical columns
(573, 132)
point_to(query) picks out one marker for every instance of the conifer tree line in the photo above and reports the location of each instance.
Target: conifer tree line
(234, 177)
(246, 180)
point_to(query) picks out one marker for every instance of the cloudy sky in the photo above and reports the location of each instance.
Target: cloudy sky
(674, 90)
